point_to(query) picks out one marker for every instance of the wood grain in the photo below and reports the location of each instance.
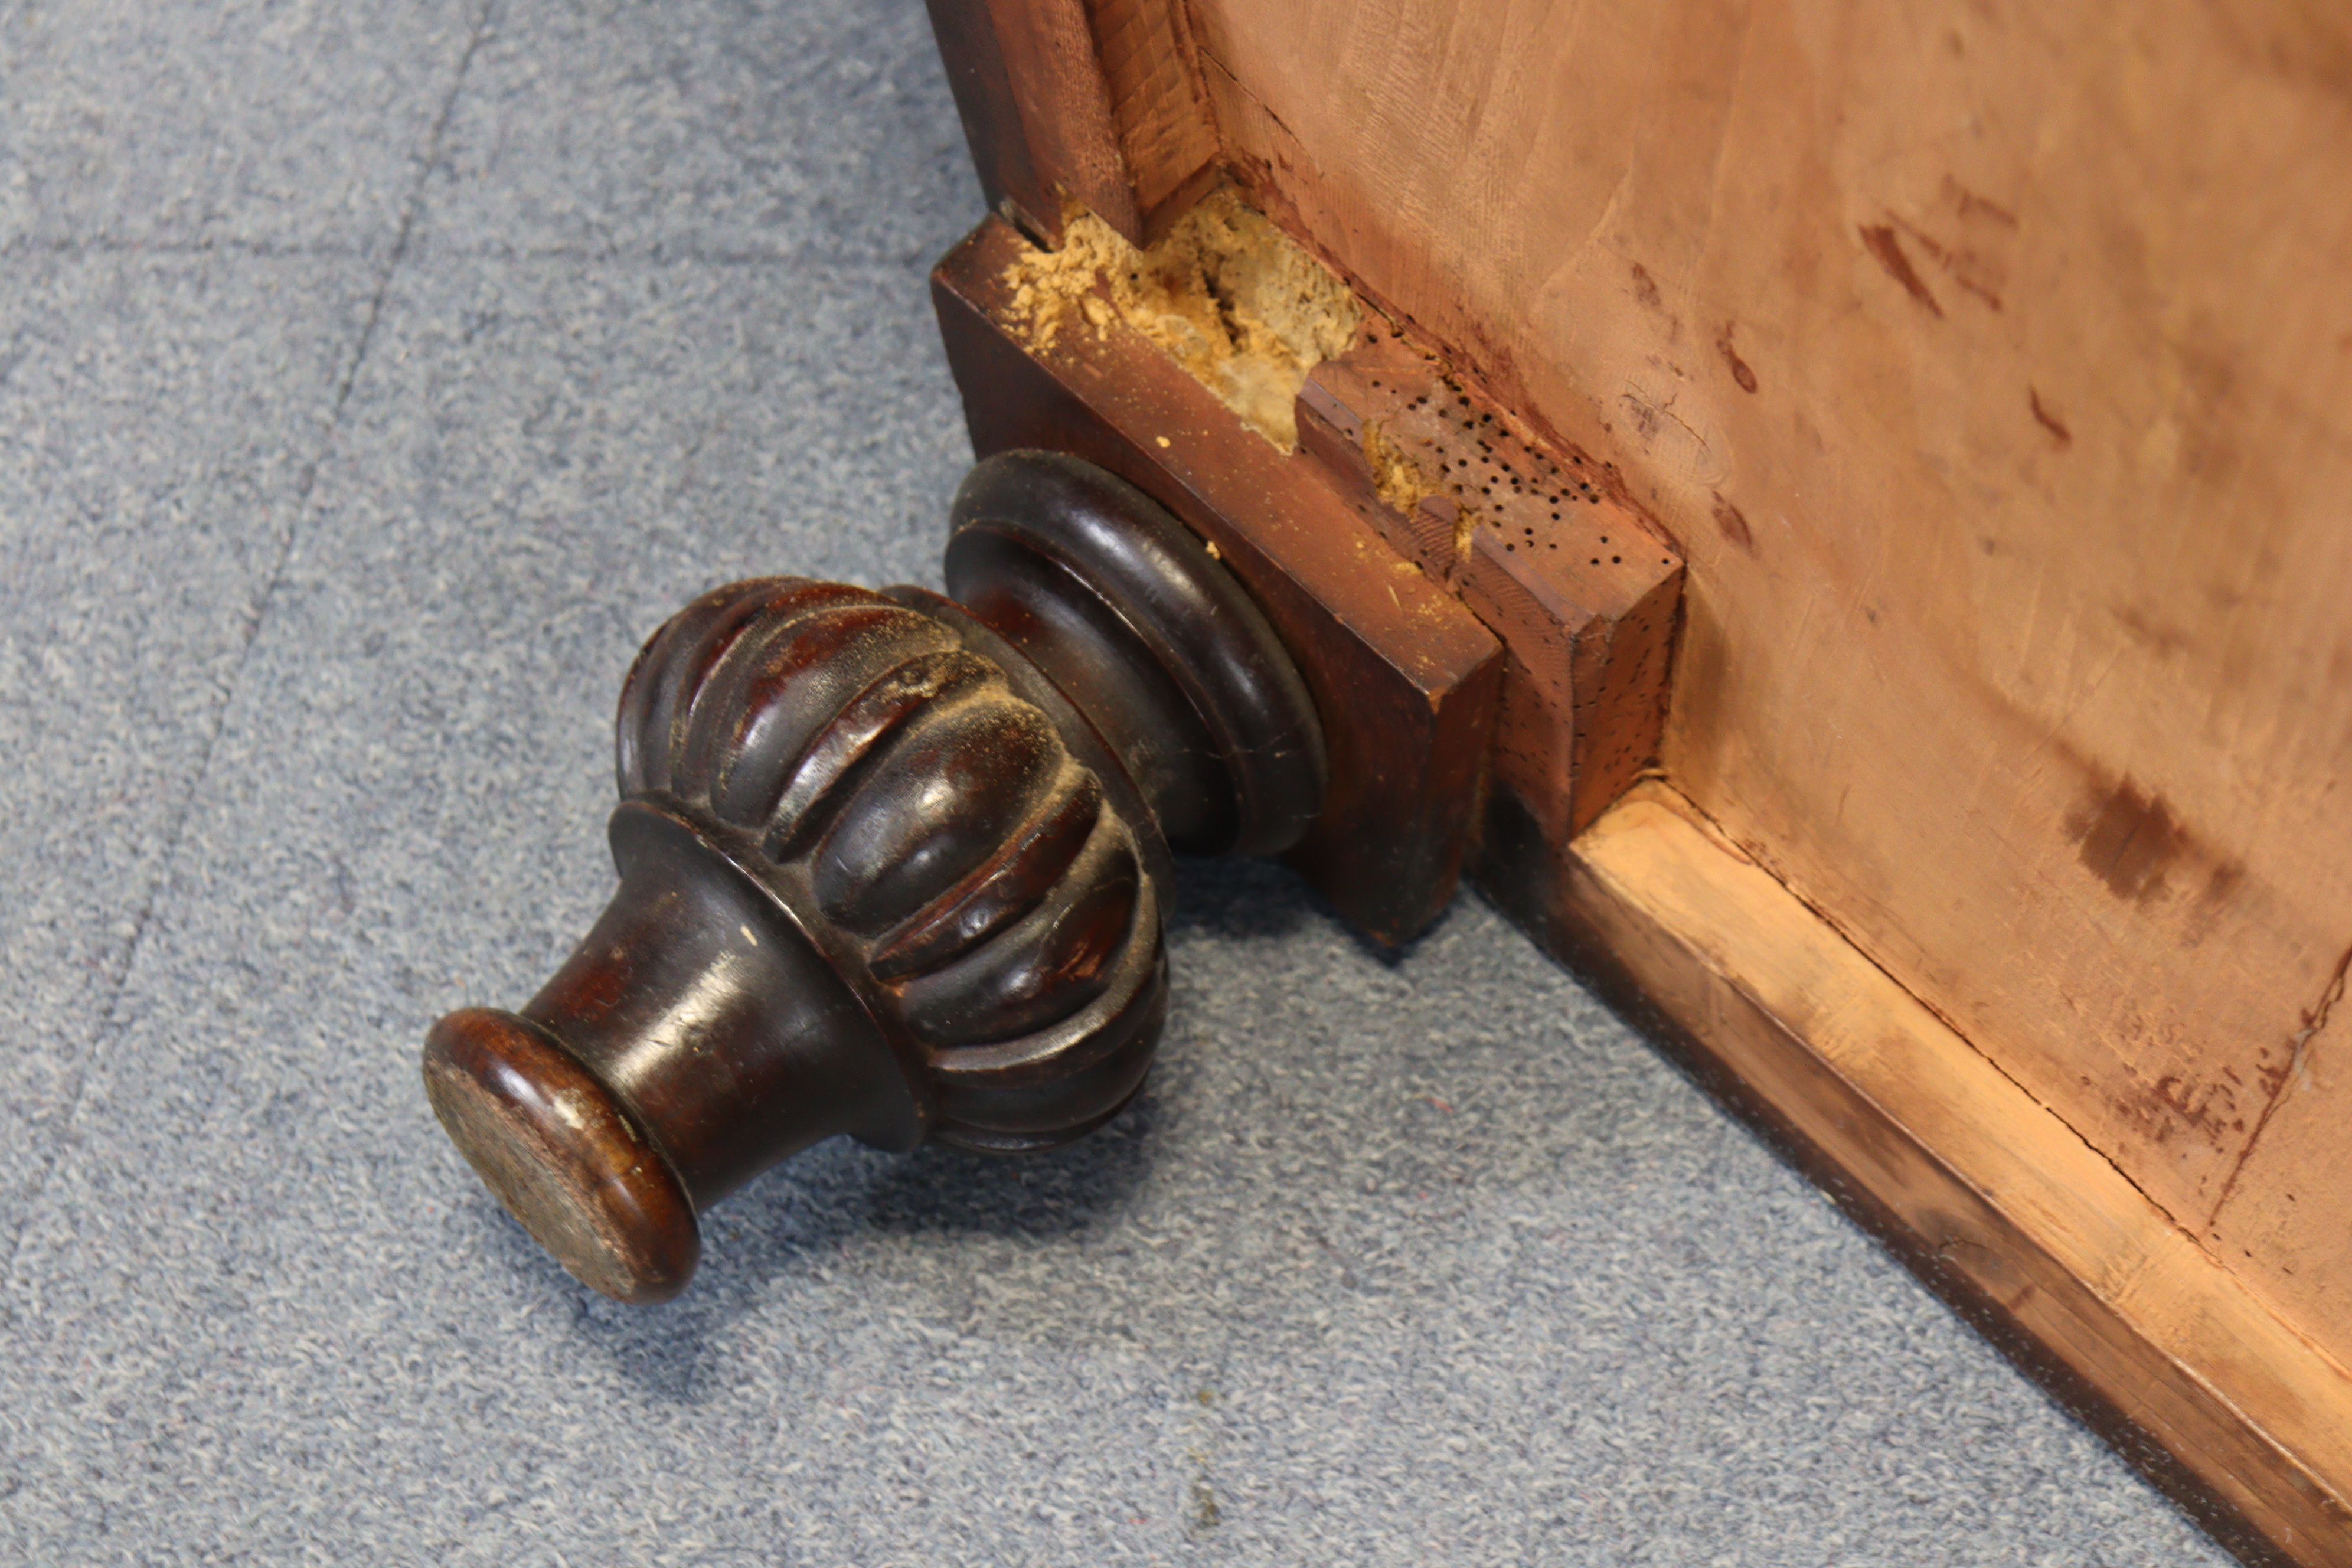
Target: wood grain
(1992, 1199)
(1037, 110)
(1404, 678)
(1993, 367)
(1157, 98)
(1581, 593)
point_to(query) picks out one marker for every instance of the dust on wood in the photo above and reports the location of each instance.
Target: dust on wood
(1227, 295)
(1400, 481)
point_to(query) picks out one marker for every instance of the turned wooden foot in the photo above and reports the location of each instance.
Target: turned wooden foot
(892, 864)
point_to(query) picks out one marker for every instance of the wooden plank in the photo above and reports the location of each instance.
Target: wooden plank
(1993, 367)
(1581, 593)
(1983, 1192)
(1157, 98)
(1037, 110)
(1405, 678)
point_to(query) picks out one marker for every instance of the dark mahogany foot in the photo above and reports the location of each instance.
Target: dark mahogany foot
(892, 865)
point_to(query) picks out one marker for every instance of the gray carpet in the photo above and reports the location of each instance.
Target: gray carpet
(371, 380)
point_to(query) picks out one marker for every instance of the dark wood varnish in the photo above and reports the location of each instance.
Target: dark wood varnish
(892, 865)
(1405, 678)
(1539, 542)
(1035, 104)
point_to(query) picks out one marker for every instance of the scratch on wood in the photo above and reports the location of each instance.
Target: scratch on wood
(1969, 204)
(1882, 244)
(1963, 266)
(2049, 421)
(2314, 1020)
(1734, 524)
(1741, 371)
(2159, 637)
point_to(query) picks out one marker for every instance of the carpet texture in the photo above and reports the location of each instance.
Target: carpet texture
(372, 381)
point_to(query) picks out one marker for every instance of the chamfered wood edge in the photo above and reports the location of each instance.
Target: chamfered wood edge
(1036, 109)
(1406, 679)
(2022, 1229)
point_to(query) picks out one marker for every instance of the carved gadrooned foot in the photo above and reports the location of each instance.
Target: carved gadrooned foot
(892, 864)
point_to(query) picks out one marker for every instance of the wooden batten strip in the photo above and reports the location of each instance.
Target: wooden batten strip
(1405, 678)
(1984, 1193)
(1585, 595)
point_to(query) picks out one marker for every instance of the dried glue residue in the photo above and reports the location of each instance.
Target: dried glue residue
(1232, 298)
